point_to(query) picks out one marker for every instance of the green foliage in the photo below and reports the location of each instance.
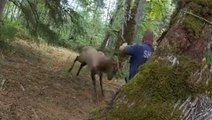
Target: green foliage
(44, 18)
(48, 34)
(8, 31)
(156, 16)
(80, 22)
(85, 3)
(59, 23)
(55, 20)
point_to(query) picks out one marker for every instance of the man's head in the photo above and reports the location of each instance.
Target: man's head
(148, 37)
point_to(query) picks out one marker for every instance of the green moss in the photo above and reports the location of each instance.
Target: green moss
(199, 8)
(153, 111)
(203, 2)
(195, 8)
(163, 82)
(155, 89)
(194, 24)
(97, 114)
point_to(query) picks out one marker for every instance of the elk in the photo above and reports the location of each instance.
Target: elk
(98, 63)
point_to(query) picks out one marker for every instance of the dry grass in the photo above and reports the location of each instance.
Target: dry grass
(52, 55)
(56, 54)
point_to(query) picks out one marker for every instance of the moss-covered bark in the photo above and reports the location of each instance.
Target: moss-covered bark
(176, 82)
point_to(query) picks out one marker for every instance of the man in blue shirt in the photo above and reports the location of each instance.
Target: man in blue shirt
(139, 53)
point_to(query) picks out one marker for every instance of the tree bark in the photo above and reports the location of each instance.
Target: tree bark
(176, 83)
(2, 5)
(130, 25)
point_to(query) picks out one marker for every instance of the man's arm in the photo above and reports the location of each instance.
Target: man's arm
(127, 49)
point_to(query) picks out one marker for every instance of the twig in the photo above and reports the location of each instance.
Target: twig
(122, 33)
(22, 87)
(2, 84)
(201, 18)
(36, 115)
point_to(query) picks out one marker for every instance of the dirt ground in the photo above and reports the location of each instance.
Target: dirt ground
(35, 85)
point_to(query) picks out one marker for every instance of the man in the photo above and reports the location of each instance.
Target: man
(139, 53)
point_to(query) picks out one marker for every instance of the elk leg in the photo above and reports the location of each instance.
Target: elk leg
(100, 79)
(76, 59)
(94, 84)
(81, 66)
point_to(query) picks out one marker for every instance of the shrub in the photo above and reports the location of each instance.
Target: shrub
(8, 31)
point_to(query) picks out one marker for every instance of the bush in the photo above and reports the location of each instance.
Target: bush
(8, 31)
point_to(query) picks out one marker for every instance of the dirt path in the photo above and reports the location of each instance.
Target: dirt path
(41, 90)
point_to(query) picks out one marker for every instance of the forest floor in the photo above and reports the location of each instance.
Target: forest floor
(35, 85)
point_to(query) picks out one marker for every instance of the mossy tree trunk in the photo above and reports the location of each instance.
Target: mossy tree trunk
(133, 13)
(2, 5)
(176, 83)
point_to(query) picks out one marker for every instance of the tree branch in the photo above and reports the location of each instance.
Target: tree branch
(201, 18)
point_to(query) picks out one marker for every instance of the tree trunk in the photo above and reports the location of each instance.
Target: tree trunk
(7, 11)
(2, 5)
(130, 25)
(108, 33)
(176, 84)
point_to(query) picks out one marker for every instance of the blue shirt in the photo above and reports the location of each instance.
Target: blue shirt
(139, 55)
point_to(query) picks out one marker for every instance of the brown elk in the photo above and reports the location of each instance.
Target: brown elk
(98, 63)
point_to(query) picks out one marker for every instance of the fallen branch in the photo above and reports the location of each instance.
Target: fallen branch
(201, 18)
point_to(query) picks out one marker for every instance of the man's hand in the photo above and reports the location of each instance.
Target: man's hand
(123, 46)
